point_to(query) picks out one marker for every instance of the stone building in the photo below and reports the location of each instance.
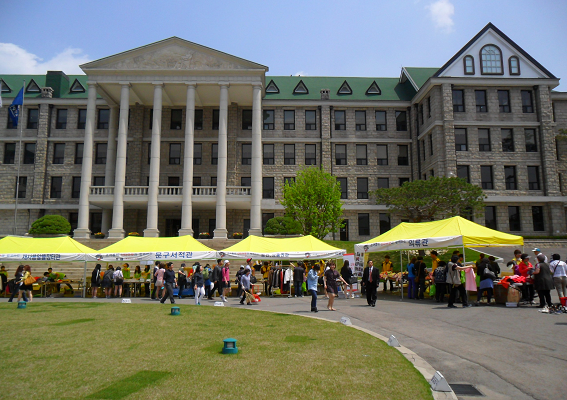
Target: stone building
(177, 138)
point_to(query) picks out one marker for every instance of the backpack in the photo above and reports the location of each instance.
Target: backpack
(440, 275)
(205, 274)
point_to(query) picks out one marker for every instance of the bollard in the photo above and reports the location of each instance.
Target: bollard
(175, 310)
(22, 304)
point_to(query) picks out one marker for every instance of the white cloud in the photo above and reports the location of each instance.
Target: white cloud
(441, 13)
(300, 73)
(15, 60)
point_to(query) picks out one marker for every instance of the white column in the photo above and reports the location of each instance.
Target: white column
(186, 205)
(110, 165)
(256, 178)
(220, 231)
(83, 231)
(117, 231)
(152, 221)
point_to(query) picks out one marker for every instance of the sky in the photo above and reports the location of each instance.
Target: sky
(309, 38)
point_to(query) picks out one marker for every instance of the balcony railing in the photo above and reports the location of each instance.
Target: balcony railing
(102, 190)
(170, 190)
(204, 190)
(135, 190)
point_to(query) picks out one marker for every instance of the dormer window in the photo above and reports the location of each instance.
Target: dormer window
(491, 60)
(4, 87)
(514, 65)
(373, 89)
(33, 87)
(301, 88)
(76, 87)
(272, 87)
(345, 88)
(469, 65)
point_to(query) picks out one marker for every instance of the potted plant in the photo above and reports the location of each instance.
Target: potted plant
(99, 235)
(133, 234)
(204, 235)
(237, 235)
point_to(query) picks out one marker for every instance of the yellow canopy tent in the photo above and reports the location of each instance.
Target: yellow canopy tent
(160, 248)
(300, 248)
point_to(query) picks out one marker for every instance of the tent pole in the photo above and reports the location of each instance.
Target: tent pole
(401, 273)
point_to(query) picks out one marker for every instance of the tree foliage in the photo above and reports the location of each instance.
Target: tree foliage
(314, 200)
(54, 224)
(282, 226)
(436, 197)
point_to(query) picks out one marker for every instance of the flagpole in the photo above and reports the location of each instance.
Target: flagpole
(20, 154)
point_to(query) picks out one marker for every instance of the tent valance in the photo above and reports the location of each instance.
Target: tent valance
(62, 249)
(297, 248)
(134, 248)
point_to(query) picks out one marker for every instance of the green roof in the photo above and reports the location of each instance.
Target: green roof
(391, 88)
(420, 75)
(59, 82)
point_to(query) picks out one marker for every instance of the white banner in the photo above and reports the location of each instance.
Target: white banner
(409, 244)
(299, 255)
(154, 256)
(28, 257)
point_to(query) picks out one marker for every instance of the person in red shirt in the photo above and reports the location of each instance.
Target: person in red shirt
(526, 270)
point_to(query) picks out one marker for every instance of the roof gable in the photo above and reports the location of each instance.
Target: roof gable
(491, 35)
(172, 54)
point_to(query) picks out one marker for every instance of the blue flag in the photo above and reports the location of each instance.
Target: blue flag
(14, 109)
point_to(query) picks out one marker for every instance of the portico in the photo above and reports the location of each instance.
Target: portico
(158, 79)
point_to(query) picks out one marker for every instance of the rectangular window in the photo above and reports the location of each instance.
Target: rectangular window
(527, 102)
(382, 154)
(310, 154)
(364, 224)
(481, 105)
(265, 218)
(268, 154)
(149, 153)
(103, 118)
(430, 144)
(458, 100)
(10, 124)
(483, 139)
(504, 101)
(98, 180)
(360, 120)
(538, 219)
(56, 186)
(533, 178)
(151, 119)
(9, 153)
(29, 153)
(246, 153)
(61, 122)
(216, 118)
(420, 114)
(401, 181)
(173, 181)
(507, 140)
(79, 153)
(344, 187)
(401, 121)
(213, 181)
(422, 147)
(384, 222)
(22, 187)
(196, 181)
(429, 107)
(514, 218)
(212, 225)
(403, 154)
(381, 121)
(361, 188)
(246, 181)
(531, 144)
(82, 119)
(486, 177)
(510, 178)
(341, 154)
(490, 217)
(100, 153)
(463, 172)
(310, 120)
(383, 183)
(289, 154)
(289, 180)
(214, 154)
(76, 187)
(289, 120)
(461, 139)
(197, 153)
(340, 120)
(33, 118)
(268, 120)
(246, 120)
(175, 154)
(198, 122)
(361, 158)
(267, 188)
(176, 119)
(58, 153)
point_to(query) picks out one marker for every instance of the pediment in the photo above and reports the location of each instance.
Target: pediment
(173, 54)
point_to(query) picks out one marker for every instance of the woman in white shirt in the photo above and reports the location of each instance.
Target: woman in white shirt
(559, 270)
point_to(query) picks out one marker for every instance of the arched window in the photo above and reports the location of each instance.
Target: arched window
(491, 60)
(514, 65)
(468, 62)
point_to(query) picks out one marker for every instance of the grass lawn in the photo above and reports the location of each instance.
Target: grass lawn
(139, 351)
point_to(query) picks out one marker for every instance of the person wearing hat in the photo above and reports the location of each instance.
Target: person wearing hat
(181, 280)
(537, 252)
(239, 274)
(225, 277)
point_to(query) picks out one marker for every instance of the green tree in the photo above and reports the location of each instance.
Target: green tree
(54, 224)
(436, 197)
(282, 226)
(314, 200)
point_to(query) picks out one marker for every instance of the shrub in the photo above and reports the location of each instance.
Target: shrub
(283, 226)
(51, 224)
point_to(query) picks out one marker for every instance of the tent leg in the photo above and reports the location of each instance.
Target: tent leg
(401, 274)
